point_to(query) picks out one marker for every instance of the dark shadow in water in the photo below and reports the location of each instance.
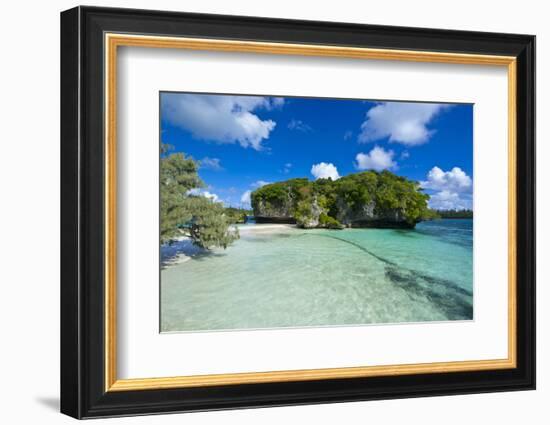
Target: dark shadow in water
(406, 232)
(265, 238)
(452, 300)
(208, 254)
(355, 244)
(170, 252)
(200, 256)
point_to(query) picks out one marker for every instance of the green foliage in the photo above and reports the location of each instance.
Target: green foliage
(178, 175)
(329, 222)
(237, 215)
(303, 212)
(386, 192)
(272, 195)
(210, 226)
(398, 193)
(276, 195)
(202, 219)
(430, 214)
(455, 213)
(356, 190)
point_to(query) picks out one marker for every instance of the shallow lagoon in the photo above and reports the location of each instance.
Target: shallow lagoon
(287, 277)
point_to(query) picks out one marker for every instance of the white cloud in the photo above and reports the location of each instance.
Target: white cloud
(404, 155)
(205, 193)
(211, 196)
(277, 102)
(453, 189)
(222, 119)
(455, 180)
(259, 183)
(447, 200)
(401, 122)
(325, 170)
(211, 164)
(377, 159)
(299, 125)
(245, 198)
(348, 135)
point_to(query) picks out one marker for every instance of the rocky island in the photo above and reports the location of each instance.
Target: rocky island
(365, 199)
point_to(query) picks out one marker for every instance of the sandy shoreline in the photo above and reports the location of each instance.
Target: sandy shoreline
(183, 249)
(264, 228)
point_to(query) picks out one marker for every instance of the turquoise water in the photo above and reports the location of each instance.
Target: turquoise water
(299, 278)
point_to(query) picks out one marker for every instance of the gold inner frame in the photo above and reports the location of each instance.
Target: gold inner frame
(113, 41)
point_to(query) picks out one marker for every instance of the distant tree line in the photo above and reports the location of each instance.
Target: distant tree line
(456, 213)
(237, 215)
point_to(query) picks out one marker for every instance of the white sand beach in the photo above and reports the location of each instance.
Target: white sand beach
(265, 228)
(182, 249)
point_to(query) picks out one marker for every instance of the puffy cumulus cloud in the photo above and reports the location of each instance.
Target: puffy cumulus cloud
(222, 119)
(453, 189)
(245, 198)
(299, 125)
(377, 159)
(324, 170)
(401, 122)
(211, 164)
(205, 193)
(455, 180)
(447, 200)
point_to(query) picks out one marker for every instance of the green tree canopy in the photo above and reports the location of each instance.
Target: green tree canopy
(384, 190)
(181, 212)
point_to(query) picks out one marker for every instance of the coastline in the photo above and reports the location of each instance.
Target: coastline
(180, 251)
(265, 228)
(279, 276)
(183, 249)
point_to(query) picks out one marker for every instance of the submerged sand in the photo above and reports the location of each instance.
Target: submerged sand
(277, 276)
(182, 248)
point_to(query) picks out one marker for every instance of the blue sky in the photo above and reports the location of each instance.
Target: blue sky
(243, 142)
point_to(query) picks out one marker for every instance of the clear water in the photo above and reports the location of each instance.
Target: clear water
(299, 278)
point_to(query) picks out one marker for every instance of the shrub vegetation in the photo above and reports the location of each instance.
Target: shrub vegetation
(181, 213)
(384, 190)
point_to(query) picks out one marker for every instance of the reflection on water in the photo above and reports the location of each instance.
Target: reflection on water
(298, 278)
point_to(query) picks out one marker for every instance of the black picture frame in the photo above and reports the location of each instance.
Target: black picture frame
(83, 392)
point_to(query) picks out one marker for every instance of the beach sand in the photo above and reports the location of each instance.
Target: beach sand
(265, 228)
(183, 249)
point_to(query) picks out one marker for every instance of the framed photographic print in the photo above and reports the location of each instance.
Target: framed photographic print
(261, 212)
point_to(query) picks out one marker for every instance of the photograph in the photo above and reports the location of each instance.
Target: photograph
(280, 211)
(287, 210)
